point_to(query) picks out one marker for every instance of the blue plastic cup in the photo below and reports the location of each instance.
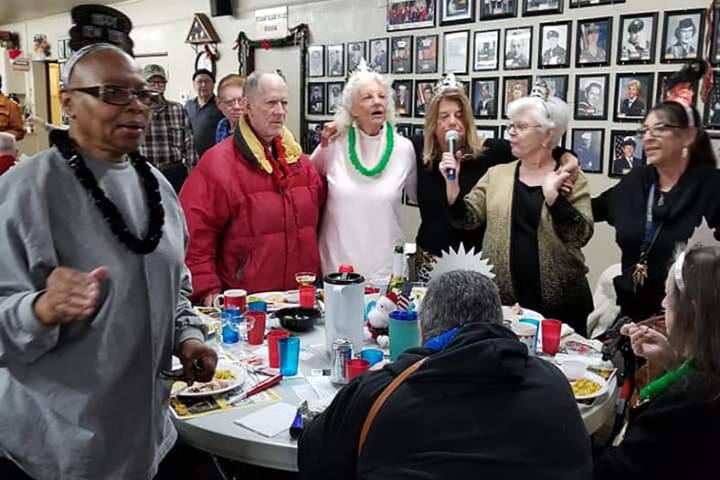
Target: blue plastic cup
(230, 331)
(257, 306)
(372, 355)
(536, 324)
(289, 350)
(404, 332)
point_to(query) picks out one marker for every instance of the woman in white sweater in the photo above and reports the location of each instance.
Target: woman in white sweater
(367, 168)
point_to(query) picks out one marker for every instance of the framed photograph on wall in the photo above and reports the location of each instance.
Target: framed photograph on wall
(715, 142)
(711, 117)
(418, 131)
(404, 129)
(588, 3)
(314, 132)
(557, 84)
(593, 42)
(626, 152)
(682, 36)
(485, 97)
(403, 97)
(518, 45)
(316, 61)
(661, 89)
(541, 7)
(356, 51)
(336, 60)
(379, 54)
(515, 88)
(410, 14)
(591, 93)
(634, 95)
(487, 132)
(492, 9)
(426, 54)
(456, 11)
(588, 143)
(424, 91)
(715, 38)
(637, 38)
(486, 50)
(401, 54)
(316, 99)
(554, 51)
(455, 52)
(334, 96)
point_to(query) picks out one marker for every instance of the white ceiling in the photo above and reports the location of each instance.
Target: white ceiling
(12, 11)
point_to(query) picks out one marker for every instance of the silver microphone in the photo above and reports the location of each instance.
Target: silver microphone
(451, 137)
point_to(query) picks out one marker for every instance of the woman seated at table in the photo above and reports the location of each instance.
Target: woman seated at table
(366, 168)
(534, 234)
(656, 206)
(477, 407)
(450, 110)
(674, 431)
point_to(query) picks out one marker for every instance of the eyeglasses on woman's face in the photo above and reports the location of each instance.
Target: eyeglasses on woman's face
(521, 127)
(121, 96)
(657, 130)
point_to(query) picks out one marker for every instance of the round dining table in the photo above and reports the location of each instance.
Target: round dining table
(217, 433)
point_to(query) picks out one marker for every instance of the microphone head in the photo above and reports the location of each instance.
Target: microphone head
(451, 135)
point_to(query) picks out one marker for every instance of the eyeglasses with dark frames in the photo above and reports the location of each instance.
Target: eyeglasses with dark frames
(121, 96)
(656, 130)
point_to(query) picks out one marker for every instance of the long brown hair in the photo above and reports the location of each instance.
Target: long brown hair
(695, 330)
(472, 143)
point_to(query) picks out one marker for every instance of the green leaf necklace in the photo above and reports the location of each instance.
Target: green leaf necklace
(377, 169)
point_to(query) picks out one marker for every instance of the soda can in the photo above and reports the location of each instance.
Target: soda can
(340, 355)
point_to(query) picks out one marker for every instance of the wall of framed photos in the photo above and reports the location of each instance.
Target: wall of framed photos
(606, 58)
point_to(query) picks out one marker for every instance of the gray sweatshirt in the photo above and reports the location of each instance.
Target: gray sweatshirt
(85, 400)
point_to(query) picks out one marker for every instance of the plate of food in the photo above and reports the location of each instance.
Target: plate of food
(589, 386)
(228, 376)
(277, 300)
(516, 312)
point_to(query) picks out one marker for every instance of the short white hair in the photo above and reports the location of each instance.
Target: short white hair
(7, 143)
(550, 113)
(343, 116)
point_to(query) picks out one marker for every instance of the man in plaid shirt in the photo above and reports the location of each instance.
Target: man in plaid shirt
(169, 143)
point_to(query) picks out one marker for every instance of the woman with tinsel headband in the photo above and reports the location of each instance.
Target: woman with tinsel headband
(674, 429)
(656, 206)
(534, 233)
(367, 169)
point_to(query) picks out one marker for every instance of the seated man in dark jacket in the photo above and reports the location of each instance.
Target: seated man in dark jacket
(479, 407)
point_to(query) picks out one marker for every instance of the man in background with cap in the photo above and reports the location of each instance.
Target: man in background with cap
(684, 34)
(203, 110)
(623, 164)
(554, 54)
(169, 142)
(635, 48)
(11, 120)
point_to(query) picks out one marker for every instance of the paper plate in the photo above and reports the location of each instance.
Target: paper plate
(597, 379)
(277, 300)
(240, 377)
(527, 313)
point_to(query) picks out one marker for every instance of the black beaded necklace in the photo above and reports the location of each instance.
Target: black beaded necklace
(107, 208)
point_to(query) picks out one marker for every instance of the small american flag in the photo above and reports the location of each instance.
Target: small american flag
(403, 301)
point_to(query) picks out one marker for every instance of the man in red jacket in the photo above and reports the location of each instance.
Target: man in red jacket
(252, 205)
(8, 151)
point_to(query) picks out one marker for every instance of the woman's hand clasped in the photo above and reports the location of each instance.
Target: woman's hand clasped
(553, 183)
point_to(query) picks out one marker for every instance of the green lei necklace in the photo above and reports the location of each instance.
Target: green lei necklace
(377, 169)
(659, 385)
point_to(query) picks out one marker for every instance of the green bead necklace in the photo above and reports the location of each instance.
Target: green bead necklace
(659, 385)
(377, 169)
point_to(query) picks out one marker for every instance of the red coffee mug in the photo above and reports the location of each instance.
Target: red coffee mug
(232, 299)
(273, 353)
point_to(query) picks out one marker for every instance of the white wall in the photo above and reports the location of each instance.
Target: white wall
(161, 26)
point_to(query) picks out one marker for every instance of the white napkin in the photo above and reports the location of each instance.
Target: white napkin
(269, 421)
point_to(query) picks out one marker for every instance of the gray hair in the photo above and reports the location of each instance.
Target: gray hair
(85, 51)
(7, 143)
(343, 116)
(551, 113)
(252, 82)
(458, 297)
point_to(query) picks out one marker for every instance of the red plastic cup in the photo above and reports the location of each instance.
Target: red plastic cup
(307, 296)
(256, 334)
(551, 336)
(273, 353)
(355, 367)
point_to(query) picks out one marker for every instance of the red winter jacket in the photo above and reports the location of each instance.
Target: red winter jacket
(246, 232)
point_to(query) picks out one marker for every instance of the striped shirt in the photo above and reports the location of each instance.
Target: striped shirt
(169, 137)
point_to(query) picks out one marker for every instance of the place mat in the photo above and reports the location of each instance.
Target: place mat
(186, 408)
